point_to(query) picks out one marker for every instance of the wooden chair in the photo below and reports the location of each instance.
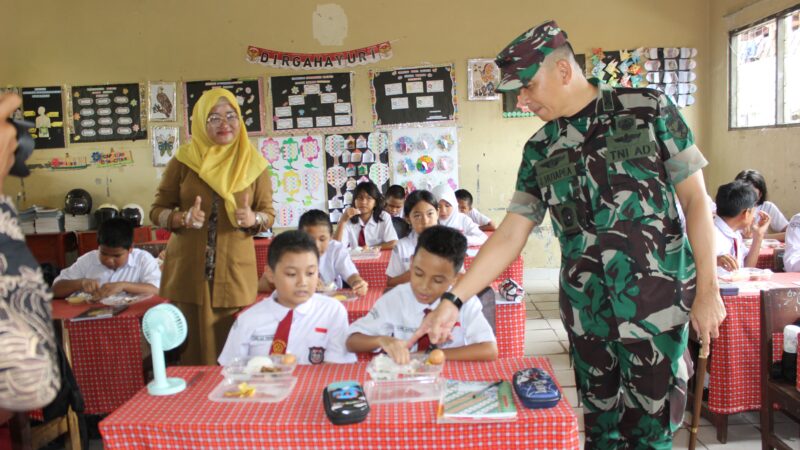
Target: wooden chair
(779, 307)
(24, 436)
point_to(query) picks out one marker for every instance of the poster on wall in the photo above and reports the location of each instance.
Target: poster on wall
(352, 158)
(672, 71)
(111, 112)
(162, 106)
(319, 61)
(322, 101)
(423, 158)
(296, 165)
(484, 76)
(248, 94)
(44, 106)
(165, 141)
(413, 95)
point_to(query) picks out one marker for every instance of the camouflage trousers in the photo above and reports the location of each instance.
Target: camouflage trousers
(633, 392)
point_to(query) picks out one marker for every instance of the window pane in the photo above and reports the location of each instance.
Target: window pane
(791, 68)
(754, 52)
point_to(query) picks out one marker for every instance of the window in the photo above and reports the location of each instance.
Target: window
(765, 72)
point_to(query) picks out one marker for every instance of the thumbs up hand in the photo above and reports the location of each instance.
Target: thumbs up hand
(245, 217)
(195, 217)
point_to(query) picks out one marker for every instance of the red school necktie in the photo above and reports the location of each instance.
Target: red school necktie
(281, 339)
(362, 240)
(423, 343)
(735, 249)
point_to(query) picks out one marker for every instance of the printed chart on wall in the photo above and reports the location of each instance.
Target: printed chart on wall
(298, 183)
(312, 101)
(111, 112)
(423, 158)
(45, 108)
(413, 95)
(248, 94)
(353, 158)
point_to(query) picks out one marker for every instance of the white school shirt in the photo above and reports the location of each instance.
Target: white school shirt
(318, 332)
(479, 218)
(466, 226)
(791, 257)
(777, 221)
(400, 261)
(335, 265)
(375, 233)
(398, 313)
(141, 267)
(725, 237)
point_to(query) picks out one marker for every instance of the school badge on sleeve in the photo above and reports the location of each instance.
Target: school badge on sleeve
(316, 355)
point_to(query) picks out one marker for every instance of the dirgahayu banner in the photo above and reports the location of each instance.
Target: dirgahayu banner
(314, 61)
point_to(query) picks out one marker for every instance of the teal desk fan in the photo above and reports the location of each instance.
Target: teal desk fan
(164, 327)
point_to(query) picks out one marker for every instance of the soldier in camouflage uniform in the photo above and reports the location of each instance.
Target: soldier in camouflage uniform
(606, 165)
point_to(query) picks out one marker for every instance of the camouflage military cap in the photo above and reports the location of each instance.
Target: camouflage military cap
(521, 59)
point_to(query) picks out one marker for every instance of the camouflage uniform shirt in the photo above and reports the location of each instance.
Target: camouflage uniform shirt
(608, 176)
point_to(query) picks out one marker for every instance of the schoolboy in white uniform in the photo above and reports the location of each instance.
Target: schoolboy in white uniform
(464, 198)
(450, 217)
(791, 258)
(294, 319)
(113, 268)
(421, 212)
(398, 313)
(736, 212)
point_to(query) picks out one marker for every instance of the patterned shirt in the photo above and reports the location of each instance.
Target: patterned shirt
(608, 177)
(29, 372)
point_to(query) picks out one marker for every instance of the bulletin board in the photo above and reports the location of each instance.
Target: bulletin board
(111, 112)
(248, 94)
(321, 101)
(352, 158)
(424, 157)
(44, 107)
(413, 95)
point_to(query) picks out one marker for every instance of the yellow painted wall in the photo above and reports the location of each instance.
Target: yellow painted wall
(771, 151)
(92, 41)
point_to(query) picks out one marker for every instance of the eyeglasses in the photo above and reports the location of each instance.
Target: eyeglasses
(216, 120)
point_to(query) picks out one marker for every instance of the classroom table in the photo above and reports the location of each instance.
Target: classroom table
(189, 420)
(734, 365)
(261, 245)
(766, 258)
(106, 354)
(87, 240)
(52, 248)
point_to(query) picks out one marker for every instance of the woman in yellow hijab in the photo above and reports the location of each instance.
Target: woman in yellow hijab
(215, 194)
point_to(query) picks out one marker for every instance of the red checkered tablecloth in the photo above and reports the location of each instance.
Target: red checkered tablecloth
(734, 386)
(188, 420)
(766, 258)
(106, 354)
(373, 271)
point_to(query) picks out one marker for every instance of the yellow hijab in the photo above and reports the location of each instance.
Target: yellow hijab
(225, 168)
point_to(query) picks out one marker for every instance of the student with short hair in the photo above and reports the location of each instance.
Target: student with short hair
(421, 212)
(464, 198)
(113, 268)
(450, 217)
(438, 258)
(395, 198)
(294, 319)
(366, 224)
(335, 264)
(777, 221)
(736, 211)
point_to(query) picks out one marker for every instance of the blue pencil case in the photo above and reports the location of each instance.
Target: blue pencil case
(536, 389)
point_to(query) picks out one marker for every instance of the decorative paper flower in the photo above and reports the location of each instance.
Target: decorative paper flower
(309, 148)
(291, 183)
(425, 164)
(290, 152)
(271, 150)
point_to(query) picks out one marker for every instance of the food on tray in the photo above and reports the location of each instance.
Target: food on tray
(288, 359)
(436, 357)
(243, 390)
(78, 298)
(260, 364)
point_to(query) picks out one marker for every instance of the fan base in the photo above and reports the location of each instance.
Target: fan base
(172, 386)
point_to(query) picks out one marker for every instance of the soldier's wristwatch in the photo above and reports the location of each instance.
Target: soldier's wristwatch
(449, 296)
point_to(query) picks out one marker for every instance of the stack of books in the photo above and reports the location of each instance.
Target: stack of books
(80, 222)
(27, 220)
(49, 220)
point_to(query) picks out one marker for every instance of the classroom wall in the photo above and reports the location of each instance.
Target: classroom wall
(94, 41)
(771, 151)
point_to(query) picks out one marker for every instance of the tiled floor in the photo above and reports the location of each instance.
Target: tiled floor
(545, 336)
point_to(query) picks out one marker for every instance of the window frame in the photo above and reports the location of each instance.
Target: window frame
(779, 57)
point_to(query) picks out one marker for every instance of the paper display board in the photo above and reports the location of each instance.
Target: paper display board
(350, 159)
(413, 95)
(111, 112)
(422, 158)
(248, 94)
(302, 102)
(45, 108)
(298, 181)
